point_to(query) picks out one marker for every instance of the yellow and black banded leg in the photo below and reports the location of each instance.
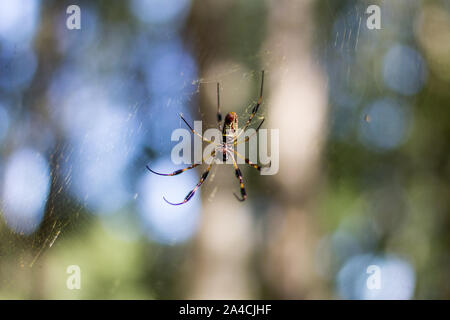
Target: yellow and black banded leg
(173, 173)
(193, 131)
(248, 138)
(251, 164)
(256, 107)
(241, 182)
(219, 115)
(192, 192)
(181, 170)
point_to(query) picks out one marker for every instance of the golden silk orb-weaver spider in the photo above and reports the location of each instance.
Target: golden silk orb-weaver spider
(225, 149)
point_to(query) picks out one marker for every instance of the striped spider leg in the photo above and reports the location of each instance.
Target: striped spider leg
(173, 173)
(192, 192)
(254, 133)
(255, 108)
(205, 174)
(239, 177)
(229, 150)
(195, 132)
(219, 115)
(251, 164)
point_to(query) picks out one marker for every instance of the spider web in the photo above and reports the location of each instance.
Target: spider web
(101, 103)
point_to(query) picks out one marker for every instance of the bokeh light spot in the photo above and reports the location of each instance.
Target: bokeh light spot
(404, 70)
(388, 126)
(18, 20)
(25, 190)
(160, 11)
(396, 278)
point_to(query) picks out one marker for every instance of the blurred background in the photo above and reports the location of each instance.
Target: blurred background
(364, 154)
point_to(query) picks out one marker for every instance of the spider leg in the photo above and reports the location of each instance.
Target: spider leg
(195, 132)
(256, 107)
(192, 192)
(251, 164)
(181, 170)
(248, 138)
(241, 181)
(175, 172)
(219, 115)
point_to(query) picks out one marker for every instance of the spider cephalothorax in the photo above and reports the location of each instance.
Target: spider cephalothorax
(224, 150)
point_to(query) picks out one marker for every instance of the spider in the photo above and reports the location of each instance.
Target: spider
(224, 150)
